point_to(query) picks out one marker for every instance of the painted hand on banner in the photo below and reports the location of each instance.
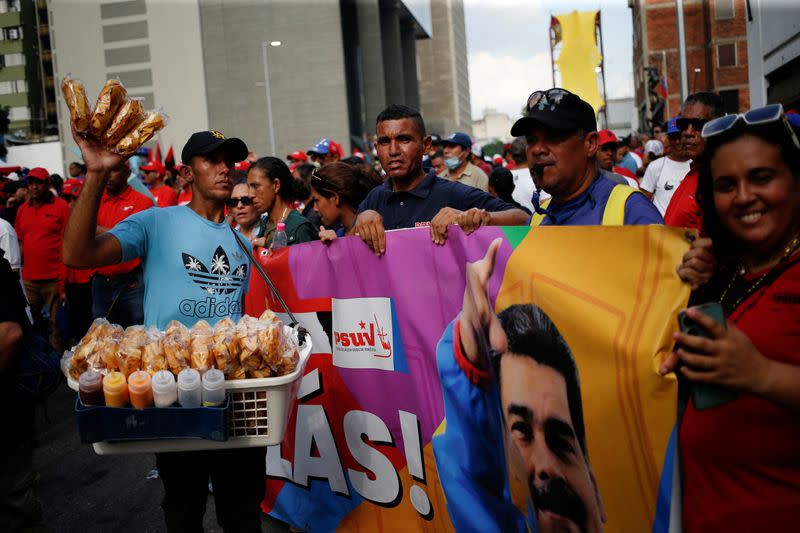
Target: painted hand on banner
(473, 219)
(327, 236)
(369, 226)
(447, 216)
(481, 332)
(97, 158)
(698, 263)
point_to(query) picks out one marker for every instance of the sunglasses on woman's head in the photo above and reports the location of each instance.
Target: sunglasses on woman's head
(321, 183)
(759, 116)
(233, 202)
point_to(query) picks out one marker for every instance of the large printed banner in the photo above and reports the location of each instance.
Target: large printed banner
(400, 427)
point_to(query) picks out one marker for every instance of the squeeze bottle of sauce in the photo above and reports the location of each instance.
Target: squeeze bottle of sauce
(140, 389)
(213, 388)
(165, 391)
(90, 388)
(115, 389)
(189, 391)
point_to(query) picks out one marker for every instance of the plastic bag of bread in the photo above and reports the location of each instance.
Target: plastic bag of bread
(129, 354)
(85, 355)
(247, 341)
(200, 344)
(153, 358)
(153, 122)
(110, 99)
(223, 346)
(130, 113)
(270, 339)
(77, 103)
(176, 346)
(108, 345)
(269, 317)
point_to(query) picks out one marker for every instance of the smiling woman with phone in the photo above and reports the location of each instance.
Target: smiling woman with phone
(739, 452)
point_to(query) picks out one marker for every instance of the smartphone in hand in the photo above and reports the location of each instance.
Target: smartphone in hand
(706, 395)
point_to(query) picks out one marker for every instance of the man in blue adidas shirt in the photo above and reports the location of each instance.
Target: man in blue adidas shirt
(561, 134)
(193, 269)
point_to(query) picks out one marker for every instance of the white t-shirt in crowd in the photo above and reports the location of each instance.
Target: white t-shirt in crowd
(524, 188)
(10, 244)
(661, 178)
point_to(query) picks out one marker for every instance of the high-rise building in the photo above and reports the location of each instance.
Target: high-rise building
(773, 52)
(250, 67)
(26, 70)
(444, 76)
(716, 52)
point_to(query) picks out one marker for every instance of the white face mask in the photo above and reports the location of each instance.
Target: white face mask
(452, 162)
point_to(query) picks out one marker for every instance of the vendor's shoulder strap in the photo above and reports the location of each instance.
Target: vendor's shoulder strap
(614, 213)
(537, 217)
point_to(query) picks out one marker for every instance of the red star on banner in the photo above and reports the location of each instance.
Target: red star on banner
(363, 326)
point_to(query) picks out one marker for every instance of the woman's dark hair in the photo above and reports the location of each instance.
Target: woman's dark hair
(351, 182)
(725, 249)
(275, 169)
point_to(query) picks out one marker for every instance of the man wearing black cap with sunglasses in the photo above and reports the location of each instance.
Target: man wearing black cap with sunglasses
(193, 270)
(562, 143)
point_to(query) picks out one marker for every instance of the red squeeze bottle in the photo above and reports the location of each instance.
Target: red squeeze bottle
(90, 388)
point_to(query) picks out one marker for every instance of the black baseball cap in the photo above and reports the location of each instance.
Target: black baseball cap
(558, 109)
(205, 142)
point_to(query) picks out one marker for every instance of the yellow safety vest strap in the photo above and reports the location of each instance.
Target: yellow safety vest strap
(537, 218)
(613, 214)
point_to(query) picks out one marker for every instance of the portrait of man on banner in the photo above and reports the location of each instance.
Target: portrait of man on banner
(511, 387)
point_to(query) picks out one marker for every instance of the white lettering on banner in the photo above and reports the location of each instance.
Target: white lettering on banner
(385, 488)
(362, 333)
(316, 429)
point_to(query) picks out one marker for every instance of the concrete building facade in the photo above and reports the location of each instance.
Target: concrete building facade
(773, 53)
(443, 71)
(339, 62)
(716, 50)
(492, 126)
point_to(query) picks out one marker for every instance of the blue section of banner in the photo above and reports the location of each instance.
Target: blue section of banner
(322, 509)
(663, 505)
(400, 364)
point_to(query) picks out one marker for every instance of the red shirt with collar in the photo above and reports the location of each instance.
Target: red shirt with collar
(185, 196)
(40, 229)
(115, 209)
(165, 196)
(683, 210)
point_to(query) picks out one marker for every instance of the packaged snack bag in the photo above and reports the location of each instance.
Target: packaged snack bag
(130, 114)
(143, 132)
(176, 346)
(110, 99)
(77, 103)
(153, 357)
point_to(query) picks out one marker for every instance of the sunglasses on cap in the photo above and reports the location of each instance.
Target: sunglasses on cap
(233, 202)
(555, 98)
(696, 123)
(759, 116)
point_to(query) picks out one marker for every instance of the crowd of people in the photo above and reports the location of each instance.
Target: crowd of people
(103, 243)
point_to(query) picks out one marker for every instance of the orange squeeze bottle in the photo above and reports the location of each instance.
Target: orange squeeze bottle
(115, 389)
(140, 389)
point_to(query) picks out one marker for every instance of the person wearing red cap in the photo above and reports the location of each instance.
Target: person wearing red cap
(118, 290)
(607, 156)
(154, 173)
(298, 157)
(40, 224)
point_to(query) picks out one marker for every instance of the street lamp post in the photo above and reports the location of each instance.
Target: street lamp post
(264, 46)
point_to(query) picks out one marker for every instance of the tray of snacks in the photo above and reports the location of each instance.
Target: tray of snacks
(258, 361)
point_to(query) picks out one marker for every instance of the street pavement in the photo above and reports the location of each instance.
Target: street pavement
(81, 491)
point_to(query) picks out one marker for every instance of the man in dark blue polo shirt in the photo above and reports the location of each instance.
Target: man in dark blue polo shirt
(411, 198)
(561, 134)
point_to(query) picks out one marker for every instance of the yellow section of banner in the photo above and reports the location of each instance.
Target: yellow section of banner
(579, 56)
(619, 328)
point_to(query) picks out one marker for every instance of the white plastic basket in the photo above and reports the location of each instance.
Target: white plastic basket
(260, 411)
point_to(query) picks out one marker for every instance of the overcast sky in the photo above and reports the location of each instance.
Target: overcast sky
(509, 54)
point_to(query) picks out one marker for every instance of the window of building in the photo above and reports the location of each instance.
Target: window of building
(7, 6)
(726, 55)
(19, 113)
(11, 34)
(6, 87)
(730, 100)
(723, 9)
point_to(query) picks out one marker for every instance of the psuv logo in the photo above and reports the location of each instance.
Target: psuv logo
(217, 281)
(364, 334)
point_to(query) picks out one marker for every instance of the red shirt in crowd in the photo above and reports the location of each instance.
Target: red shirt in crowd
(165, 196)
(40, 229)
(625, 172)
(740, 459)
(185, 196)
(113, 210)
(683, 210)
(78, 275)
